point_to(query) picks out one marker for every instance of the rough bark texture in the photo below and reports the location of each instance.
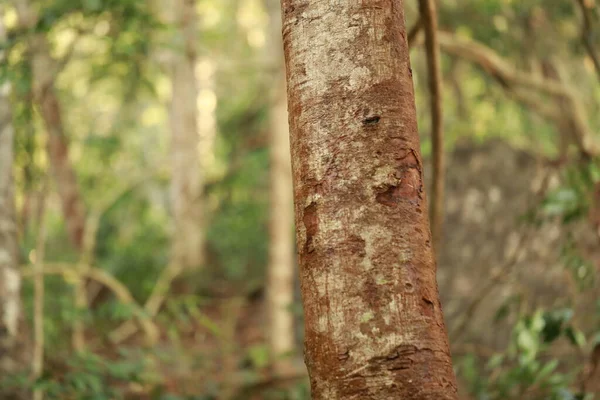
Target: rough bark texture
(11, 333)
(186, 181)
(374, 324)
(434, 70)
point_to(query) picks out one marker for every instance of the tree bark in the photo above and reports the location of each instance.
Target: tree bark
(12, 359)
(374, 323)
(186, 181)
(280, 284)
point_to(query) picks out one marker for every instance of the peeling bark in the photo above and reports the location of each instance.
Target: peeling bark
(280, 284)
(374, 323)
(186, 181)
(12, 354)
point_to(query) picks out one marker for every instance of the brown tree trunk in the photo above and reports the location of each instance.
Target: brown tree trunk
(434, 69)
(374, 323)
(186, 181)
(280, 284)
(44, 72)
(12, 352)
(73, 208)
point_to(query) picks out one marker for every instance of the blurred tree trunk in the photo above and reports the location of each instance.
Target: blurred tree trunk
(187, 179)
(45, 69)
(428, 12)
(280, 285)
(374, 323)
(12, 352)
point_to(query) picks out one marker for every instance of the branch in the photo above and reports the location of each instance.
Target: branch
(587, 34)
(39, 294)
(120, 291)
(512, 79)
(414, 32)
(428, 12)
(153, 304)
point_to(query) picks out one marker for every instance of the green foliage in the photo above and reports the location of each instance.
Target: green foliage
(573, 199)
(133, 243)
(86, 376)
(524, 370)
(113, 94)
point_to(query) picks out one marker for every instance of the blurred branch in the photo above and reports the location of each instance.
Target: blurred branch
(414, 32)
(153, 304)
(69, 273)
(587, 34)
(64, 60)
(428, 12)
(512, 79)
(38, 300)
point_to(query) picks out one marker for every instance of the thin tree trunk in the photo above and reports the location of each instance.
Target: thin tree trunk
(12, 352)
(280, 283)
(37, 364)
(374, 323)
(429, 16)
(186, 183)
(44, 72)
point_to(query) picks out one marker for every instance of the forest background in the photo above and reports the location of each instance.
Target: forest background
(158, 249)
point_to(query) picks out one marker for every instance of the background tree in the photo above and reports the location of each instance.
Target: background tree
(12, 335)
(280, 283)
(186, 180)
(428, 18)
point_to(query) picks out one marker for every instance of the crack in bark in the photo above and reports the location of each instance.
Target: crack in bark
(409, 186)
(374, 120)
(311, 223)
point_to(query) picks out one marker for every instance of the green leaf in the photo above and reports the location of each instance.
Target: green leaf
(495, 361)
(575, 336)
(259, 356)
(547, 370)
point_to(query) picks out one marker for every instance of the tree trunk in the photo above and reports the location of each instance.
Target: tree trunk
(44, 72)
(12, 352)
(374, 323)
(186, 181)
(428, 14)
(280, 284)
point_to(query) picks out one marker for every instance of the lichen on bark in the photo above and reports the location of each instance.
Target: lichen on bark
(374, 324)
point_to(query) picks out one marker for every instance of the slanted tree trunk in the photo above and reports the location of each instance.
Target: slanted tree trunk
(280, 283)
(44, 72)
(374, 324)
(12, 351)
(186, 181)
(428, 14)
